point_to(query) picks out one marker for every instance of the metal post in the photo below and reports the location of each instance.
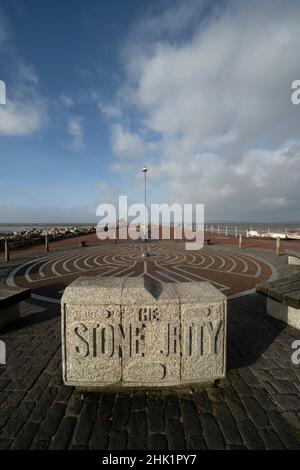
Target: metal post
(144, 170)
(6, 250)
(277, 246)
(236, 231)
(46, 244)
(240, 240)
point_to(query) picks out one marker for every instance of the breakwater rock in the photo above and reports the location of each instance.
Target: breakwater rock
(36, 236)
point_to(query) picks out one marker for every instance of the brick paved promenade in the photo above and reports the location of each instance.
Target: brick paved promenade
(256, 407)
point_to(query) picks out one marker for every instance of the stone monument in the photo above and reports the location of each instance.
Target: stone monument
(134, 332)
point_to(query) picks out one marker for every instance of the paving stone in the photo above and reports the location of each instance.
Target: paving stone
(283, 374)
(287, 402)
(255, 412)
(100, 435)
(85, 423)
(41, 408)
(201, 401)
(293, 418)
(211, 432)
(5, 444)
(190, 417)
(75, 404)
(64, 433)
(36, 391)
(63, 394)
(158, 442)
(227, 423)
(121, 413)
(240, 386)
(25, 437)
(118, 440)
(214, 394)
(175, 435)
(284, 387)
(138, 400)
(155, 415)
(285, 433)
(137, 430)
(195, 442)
(16, 420)
(264, 400)
(13, 399)
(250, 435)
(238, 410)
(271, 440)
(50, 424)
(171, 407)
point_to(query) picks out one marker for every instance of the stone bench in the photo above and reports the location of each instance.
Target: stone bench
(283, 299)
(293, 257)
(130, 332)
(9, 299)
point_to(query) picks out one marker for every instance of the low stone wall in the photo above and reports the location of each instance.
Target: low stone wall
(131, 332)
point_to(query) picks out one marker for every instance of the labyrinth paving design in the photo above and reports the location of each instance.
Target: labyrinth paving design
(231, 272)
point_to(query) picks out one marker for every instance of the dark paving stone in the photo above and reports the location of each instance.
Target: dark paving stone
(64, 433)
(271, 440)
(250, 435)
(5, 444)
(25, 437)
(138, 400)
(155, 415)
(175, 435)
(49, 426)
(171, 407)
(158, 442)
(16, 420)
(190, 417)
(287, 402)
(255, 412)
(121, 413)
(227, 423)
(211, 432)
(118, 440)
(283, 431)
(201, 401)
(137, 430)
(85, 423)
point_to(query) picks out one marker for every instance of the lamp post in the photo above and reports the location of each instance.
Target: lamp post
(144, 170)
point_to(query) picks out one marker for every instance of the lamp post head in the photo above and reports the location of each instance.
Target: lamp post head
(144, 170)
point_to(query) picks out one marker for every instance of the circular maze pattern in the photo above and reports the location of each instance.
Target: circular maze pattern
(231, 272)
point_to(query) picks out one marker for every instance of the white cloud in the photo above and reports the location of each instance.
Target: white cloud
(125, 144)
(25, 111)
(66, 100)
(24, 115)
(76, 133)
(219, 100)
(110, 111)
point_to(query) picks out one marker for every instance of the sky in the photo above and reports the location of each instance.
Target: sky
(198, 91)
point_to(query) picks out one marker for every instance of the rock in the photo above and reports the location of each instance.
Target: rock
(128, 332)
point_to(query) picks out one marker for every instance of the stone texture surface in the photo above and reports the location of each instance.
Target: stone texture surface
(255, 407)
(284, 312)
(137, 332)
